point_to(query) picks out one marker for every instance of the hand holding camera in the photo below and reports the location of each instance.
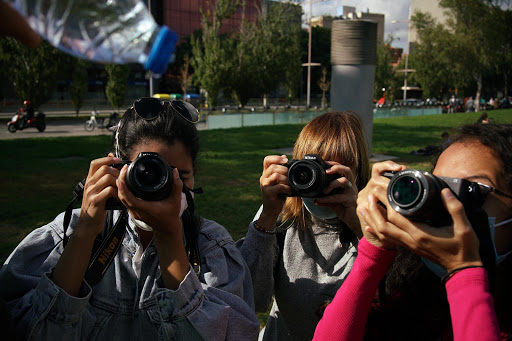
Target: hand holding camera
(144, 185)
(417, 195)
(308, 178)
(328, 183)
(100, 186)
(153, 195)
(450, 246)
(148, 177)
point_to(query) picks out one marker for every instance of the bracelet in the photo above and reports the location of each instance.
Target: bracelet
(454, 271)
(259, 229)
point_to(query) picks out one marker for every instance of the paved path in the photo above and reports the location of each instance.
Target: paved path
(76, 128)
(59, 128)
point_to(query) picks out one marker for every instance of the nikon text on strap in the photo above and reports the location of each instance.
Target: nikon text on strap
(104, 250)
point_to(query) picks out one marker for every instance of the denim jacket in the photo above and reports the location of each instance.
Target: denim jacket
(216, 305)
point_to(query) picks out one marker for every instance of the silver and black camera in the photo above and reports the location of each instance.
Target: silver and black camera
(148, 177)
(417, 195)
(307, 177)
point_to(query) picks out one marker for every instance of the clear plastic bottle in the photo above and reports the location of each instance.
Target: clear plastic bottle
(109, 31)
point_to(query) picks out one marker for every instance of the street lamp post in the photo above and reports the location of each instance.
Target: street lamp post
(309, 64)
(406, 69)
(151, 80)
(309, 53)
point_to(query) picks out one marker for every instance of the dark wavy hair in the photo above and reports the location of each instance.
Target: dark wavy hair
(167, 127)
(497, 137)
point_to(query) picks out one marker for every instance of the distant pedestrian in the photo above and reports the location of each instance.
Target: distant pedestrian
(451, 105)
(483, 118)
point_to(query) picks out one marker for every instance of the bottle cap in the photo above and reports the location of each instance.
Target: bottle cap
(162, 51)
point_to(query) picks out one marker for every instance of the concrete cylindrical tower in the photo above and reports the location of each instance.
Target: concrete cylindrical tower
(353, 59)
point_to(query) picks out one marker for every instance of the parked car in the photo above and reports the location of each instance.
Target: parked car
(431, 101)
(413, 102)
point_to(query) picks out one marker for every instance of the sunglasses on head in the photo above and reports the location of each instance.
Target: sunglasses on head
(150, 108)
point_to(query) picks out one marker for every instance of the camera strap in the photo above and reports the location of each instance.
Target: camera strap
(106, 244)
(192, 224)
(78, 192)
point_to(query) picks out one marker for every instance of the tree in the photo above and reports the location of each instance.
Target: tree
(79, 85)
(211, 57)
(324, 84)
(239, 83)
(185, 75)
(293, 55)
(475, 43)
(117, 81)
(432, 57)
(33, 71)
(501, 41)
(384, 73)
(469, 23)
(277, 47)
(266, 53)
(320, 52)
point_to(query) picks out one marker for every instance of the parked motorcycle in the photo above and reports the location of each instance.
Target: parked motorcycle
(16, 122)
(109, 123)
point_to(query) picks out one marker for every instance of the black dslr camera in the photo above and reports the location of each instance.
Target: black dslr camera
(417, 195)
(307, 177)
(149, 177)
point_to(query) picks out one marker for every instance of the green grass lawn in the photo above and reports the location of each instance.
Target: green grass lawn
(37, 176)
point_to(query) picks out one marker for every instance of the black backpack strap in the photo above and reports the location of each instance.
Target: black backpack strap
(281, 227)
(192, 224)
(480, 223)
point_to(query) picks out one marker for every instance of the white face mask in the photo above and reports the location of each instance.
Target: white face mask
(321, 212)
(143, 226)
(492, 226)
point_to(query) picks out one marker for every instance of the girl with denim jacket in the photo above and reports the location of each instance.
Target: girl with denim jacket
(150, 290)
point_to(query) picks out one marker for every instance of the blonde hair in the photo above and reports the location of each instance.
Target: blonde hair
(334, 136)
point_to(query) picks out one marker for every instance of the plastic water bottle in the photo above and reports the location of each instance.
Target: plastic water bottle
(104, 31)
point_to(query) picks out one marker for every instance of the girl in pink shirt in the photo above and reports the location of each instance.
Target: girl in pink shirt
(481, 154)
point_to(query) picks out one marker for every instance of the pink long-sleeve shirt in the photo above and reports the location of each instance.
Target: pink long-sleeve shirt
(471, 304)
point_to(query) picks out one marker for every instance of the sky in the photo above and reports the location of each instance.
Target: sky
(392, 9)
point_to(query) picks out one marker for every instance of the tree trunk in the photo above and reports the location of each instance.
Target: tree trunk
(505, 81)
(478, 91)
(264, 100)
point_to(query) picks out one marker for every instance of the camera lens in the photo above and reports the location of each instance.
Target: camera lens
(148, 174)
(406, 190)
(149, 177)
(303, 175)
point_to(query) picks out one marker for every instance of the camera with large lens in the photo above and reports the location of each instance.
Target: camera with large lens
(417, 195)
(148, 177)
(307, 177)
